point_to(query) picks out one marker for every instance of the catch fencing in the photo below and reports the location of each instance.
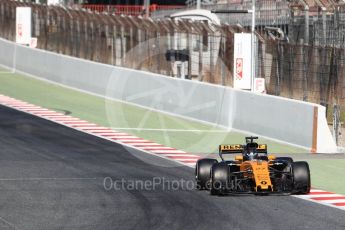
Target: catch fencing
(309, 72)
(132, 10)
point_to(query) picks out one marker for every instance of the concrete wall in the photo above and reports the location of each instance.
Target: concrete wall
(7, 51)
(273, 117)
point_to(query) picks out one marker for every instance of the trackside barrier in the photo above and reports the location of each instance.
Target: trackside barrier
(133, 10)
(294, 122)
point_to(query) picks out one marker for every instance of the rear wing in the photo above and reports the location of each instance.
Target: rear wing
(232, 149)
(262, 148)
(228, 149)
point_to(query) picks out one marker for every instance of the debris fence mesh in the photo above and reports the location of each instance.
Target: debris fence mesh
(310, 72)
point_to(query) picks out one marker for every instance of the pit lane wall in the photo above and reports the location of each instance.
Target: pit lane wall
(290, 121)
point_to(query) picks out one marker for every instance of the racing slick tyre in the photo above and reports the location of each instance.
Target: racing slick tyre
(202, 172)
(220, 176)
(301, 177)
(287, 159)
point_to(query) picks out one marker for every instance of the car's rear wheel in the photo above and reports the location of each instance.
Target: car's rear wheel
(202, 172)
(220, 178)
(301, 177)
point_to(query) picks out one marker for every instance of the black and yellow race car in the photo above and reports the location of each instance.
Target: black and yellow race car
(254, 171)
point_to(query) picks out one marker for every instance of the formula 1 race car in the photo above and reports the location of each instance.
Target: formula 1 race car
(252, 172)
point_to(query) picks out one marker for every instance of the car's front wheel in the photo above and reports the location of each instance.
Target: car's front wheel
(301, 177)
(202, 172)
(220, 178)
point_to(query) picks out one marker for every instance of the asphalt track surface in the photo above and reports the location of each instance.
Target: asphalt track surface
(52, 177)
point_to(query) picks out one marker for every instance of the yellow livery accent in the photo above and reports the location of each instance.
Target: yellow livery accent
(271, 157)
(230, 147)
(262, 147)
(238, 158)
(260, 174)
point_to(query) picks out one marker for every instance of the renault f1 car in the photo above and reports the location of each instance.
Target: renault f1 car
(254, 171)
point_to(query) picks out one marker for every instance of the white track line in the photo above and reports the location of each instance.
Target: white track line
(129, 141)
(27, 106)
(334, 201)
(182, 156)
(168, 151)
(323, 195)
(39, 110)
(156, 148)
(185, 160)
(64, 119)
(316, 190)
(125, 137)
(57, 116)
(173, 130)
(85, 127)
(75, 122)
(42, 112)
(85, 124)
(113, 133)
(94, 128)
(145, 144)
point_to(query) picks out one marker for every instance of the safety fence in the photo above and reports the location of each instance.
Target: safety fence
(313, 73)
(268, 12)
(130, 10)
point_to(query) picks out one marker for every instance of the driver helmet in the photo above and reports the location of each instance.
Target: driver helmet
(251, 154)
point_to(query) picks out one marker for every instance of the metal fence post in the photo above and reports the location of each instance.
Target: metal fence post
(200, 74)
(278, 71)
(336, 123)
(306, 29)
